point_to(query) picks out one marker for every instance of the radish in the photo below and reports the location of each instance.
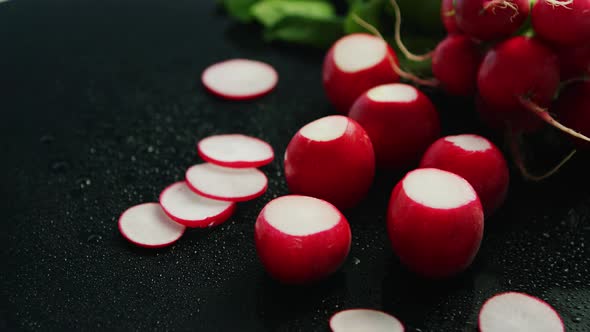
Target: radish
(193, 210)
(574, 62)
(517, 118)
(354, 64)
(475, 159)
(301, 239)
(514, 311)
(235, 151)
(435, 222)
(401, 122)
(573, 107)
(240, 79)
(490, 19)
(455, 63)
(366, 320)
(147, 225)
(563, 22)
(331, 158)
(447, 15)
(226, 184)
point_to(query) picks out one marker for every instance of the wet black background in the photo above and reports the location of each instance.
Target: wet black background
(101, 108)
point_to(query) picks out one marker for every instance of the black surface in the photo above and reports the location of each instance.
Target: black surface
(101, 108)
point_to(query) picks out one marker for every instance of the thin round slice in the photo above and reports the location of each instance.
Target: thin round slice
(147, 225)
(240, 79)
(366, 320)
(185, 207)
(521, 312)
(226, 184)
(235, 151)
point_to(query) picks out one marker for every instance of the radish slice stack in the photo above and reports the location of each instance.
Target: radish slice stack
(366, 320)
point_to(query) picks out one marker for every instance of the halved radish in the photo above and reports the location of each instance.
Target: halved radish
(301, 239)
(331, 158)
(240, 79)
(477, 160)
(226, 184)
(435, 222)
(193, 210)
(354, 64)
(521, 312)
(147, 225)
(401, 122)
(235, 151)
(366, 320)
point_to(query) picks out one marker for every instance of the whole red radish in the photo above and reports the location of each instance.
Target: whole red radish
(455, 63)
(573, 108)
(435, 222)
(574, 62)
(478, 161)
(401, 122)
(301, 239)
(354, 64)
(447, 15)
(331, 158)
(490, 19)
(564, 22)
(502, 118)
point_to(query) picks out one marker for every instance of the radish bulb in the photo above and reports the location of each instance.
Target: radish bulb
(573, 108)
(487, 20)
(366, 320)
(563, 22)
(455, 63)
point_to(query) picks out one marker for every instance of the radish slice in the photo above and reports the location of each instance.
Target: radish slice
(240, 79)
(235, 151)
(192, 210)
(366, 320)
(513, 311)
(226, 184)
(147, 225)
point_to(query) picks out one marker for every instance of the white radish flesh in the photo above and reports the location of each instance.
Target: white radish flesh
(240, 79)
(226, 184)
(235, 151)
(365, 320)
(148, 226)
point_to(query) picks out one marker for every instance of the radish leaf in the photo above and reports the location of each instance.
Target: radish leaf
(312, 31)
(270, 12)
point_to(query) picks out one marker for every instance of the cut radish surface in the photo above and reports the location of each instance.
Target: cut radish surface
(365, 320)
(518, 312)
(226, 184)
(193, 210)
(235, 151)
(148, 226)
(240, 79)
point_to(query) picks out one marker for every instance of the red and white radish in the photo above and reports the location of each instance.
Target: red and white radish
(235, 151)
(455, 63)
(147, 225)
(332, 159)
(490, 19)
(478, 161)
(435, 222)
(401, 122)
(193, 210)
(366, 320)
(301, 239)
(512, 311)
(563, 22)
(573, 108)
(240, 79)
(574, 62)
(447, 15)
(354, 64)
(226, 184)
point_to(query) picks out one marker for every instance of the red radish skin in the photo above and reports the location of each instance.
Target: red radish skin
(367, 320)
(513, 311)
(192, 210)
(235, 151)
(435, 222)
(332, 159)
(562, 22)
(455, 64)
(354, 64)
(239, 79)
(487, 20)
(574, 62)
(226, 184)
(401, 122)
(146, 225)
(478, 161)
(301, 239)
(573, 108)
(447, 15)
(501, 118)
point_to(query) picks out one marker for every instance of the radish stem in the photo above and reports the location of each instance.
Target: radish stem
(398, 38)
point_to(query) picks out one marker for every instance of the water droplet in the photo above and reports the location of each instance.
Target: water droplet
(356, 261)
(94, 238)
(47, 139)
(577, 319)
(59, 167)
(150, 149)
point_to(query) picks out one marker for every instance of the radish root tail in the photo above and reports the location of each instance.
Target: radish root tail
(404, 74)
(560, 3)
(398, 38)
(502, 4)
(545, 116)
